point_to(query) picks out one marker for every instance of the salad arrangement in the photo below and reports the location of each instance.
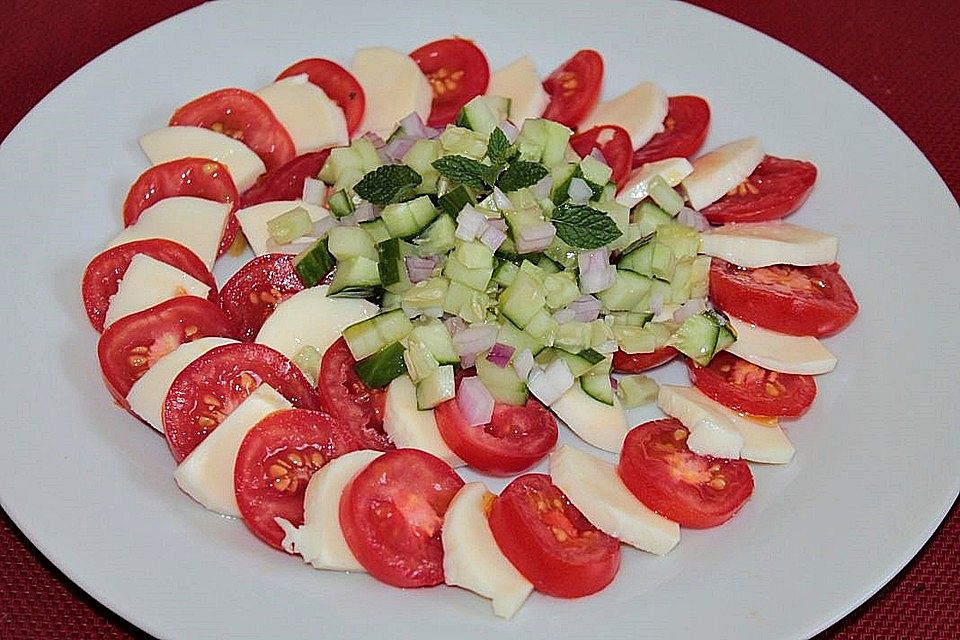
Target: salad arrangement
(447, 260)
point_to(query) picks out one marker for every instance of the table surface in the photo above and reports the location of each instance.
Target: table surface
(902, 56)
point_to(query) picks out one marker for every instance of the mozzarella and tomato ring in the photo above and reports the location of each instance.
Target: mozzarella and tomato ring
(775, 189)
(275, 462)
(624, 362)
(391, 515)
(550, 541)
(213, 385)
(574, 88)
(799, 301)
(286, 182)
(244, 116)
(254, 291)
(337, 83)
(457, 70)
(613, 142)
(692, 490)
(684, 130)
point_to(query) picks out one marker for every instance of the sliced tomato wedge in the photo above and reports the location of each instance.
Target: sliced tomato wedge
(391, 514)
(613, 142)
(275, 462)
(685, 129)
(338, 83)
(745, 387)
(800, 301)
(244, 116)
(213, 385)
(350, 400)
(775, 189)
(549, 541)
(102, 276)
(636, 362)
(692, 490)
(254, 291)
(458, 72)
(134, 343)
(197, 177)
(286, 182)
(574, 88)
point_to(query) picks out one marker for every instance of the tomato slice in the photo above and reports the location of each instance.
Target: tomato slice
(745, 387)
(800, 301)
(197, 177)
(614, 144)
(275, 462)
(102, 276)
(350, 400)
(286, 182)
(574, 88)
(636, 362)
(252, 293)
(391, 514)
(213, 385)
(692, 490)
(685, 129)
(458, 72)
(338, 83)
(549, 541)
(244, 116)
(776, 188)
(132, 344)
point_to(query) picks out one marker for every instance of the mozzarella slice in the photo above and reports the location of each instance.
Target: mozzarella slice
(393, 86)
(313, 120)
(762, 441)
(410, 428)
(761, 244)
(195, 223)
(520, 82)
(148, 394)
(471, 557)
(779, 351)
(715, 173)
(320, 540)
(146, 282)
(597, 423)
(711, 439)
(310, 318)
(253, 221)
(640, 111)
(172, 143)
(594, 487)
(206, 475)
(637, 187)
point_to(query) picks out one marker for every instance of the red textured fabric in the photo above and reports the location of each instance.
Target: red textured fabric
(902, 56)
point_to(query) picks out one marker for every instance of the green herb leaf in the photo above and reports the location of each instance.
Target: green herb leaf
(463, 170)
(491, 173)
(521, 174)
(499, 149)
(584, 227)
(388, 184)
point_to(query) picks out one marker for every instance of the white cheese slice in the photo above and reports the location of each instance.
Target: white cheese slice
(313, 120)
(641, 111)
(206, 475)
(471, 557)
(410, 428)
(715, 173)
(761, 244)
(253, 221)
(637, 186)
(394, 87)
(779, 351)
(146, 282)
(711, 439)
(520, 82)
(599, 424)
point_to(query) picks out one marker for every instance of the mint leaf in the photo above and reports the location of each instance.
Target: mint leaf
(521, 174)
(388, 184)
(499, 149)
(491, 173)
(584, 227)
(463, 170)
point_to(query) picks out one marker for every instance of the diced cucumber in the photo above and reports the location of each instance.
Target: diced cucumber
(542, 326)
(649, 216)
(680, 285)
(578, 363)
(351, 242)
(659, 290)
(427, 294)
(595, 171)
(438, 238)
(562, 253)
(474, 255)
(596, 384)
(314, 264)
(390, 262)
(420, 362)
(371, 335)
(470, 304)
(637, 391)
(573, 337)
(548, 265)
(629, 318)
(700, 277)
(438, 387)
(308, 361)
(505, 273)
(420, 158)
(369, 157)
(521, 218)
(664, 195)
(562, 174)
(341, 160)
(476, 279)
(638, 257)
(524, 298)
(376, 229)
(436, 339)
(381, 368)
(627, 291)
(509, 334)
(699, 336)
(289, 226)
(543, 141)
(503, 384)
(621, 216)
(561, 289)
(340, 204)
(684, 241)
(356, 277)
(463, 142)
(405, 219)
(483, 113)
(453, 202)
(601, 335)
(390, 301)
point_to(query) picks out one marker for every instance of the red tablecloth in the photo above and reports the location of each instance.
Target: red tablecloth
(905, 57)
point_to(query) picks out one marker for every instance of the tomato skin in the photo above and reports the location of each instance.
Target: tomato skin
(338, 83)
(376, 510)
(574, 88)
(799, 301)
(286, 182)
(348, 399)
(586, 561)
(686, 126)
(775, 189)
(662, 472)
(254, 291)
(615, 147)
(441, 61)
(624, 362)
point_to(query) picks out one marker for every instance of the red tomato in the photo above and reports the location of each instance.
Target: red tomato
(685, 128)
(197, 177)
(549, 541)
(244, 116)
(800, 301)
(350, 400)
(286, 182)
(614, 144)
(747, 388)
(574, 88)
(102, 276)
(637, 362)
(458, 72)
(391, 514)
(132, 344)
(213, 385)
(338, 83)
(692, 490)
(252, 293)
(776, 188)
(275, 462)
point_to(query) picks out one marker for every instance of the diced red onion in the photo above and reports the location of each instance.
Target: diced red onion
(470, 224)
(585, 308)
(614, 383)
(492, 237)
(365, 212)
(596, 272)
(689, 308)
(693, 218)
(419, 269)
(472, 341)
(498, 223)
(509, 130)
(475, 402)
(413, 126)
(454, 325)
(348, 221)
(542, 189)
(500, 354)
(535, 237)
(501, 200)
(579, 191)
(596, 154)
(397, 148)
(656, 303)
(564, 315)
(313, 191)
(550, 383)
(522, 363)
(374, 139)
(322, 226)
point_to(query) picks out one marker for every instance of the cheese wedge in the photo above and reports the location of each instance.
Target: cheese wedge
(761, 244)
(313, 120)
(253, 221)
(717, 172)
(599, 424)
(640, 111)
(394, 87)
(172, 143)
(520, 82)
(146, 282)
(779, 351)
(410, 428)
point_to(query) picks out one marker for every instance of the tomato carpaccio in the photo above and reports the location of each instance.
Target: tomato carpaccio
(338, 83)
(775, 189)
(613, 142)
(253, 293)
(286, 182)
(685, 128)
(350, 400)
(637, 362)
(458, 72)
(574, 88)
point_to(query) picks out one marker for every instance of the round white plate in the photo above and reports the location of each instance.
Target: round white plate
(877, 462)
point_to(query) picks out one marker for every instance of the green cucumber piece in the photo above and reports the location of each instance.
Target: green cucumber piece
(573, 336)
(356, 277)
(426, 295)
(340, 204)
(561, 289)
(476, 279)
(503, 384)
(438, 387)
(351, 242)
(371, 335)
(420, 362)
(405, 219)
(596, 384)
(524, 298)
(308, 361)
(684, 241)
(505, 273)
(435, 337)
(381, 368)
(288, 226)
(637, 391)
(664, 195)
(520, 340)
(438, 238)
(314, 264)
(483, 113)
(627, 292)
(461, 141)
(390, 262)
(420, 158)
(453, 201)
(595, 171)
(700, 337)
(649, 216)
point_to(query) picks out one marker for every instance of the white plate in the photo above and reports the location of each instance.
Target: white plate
(877, 461)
